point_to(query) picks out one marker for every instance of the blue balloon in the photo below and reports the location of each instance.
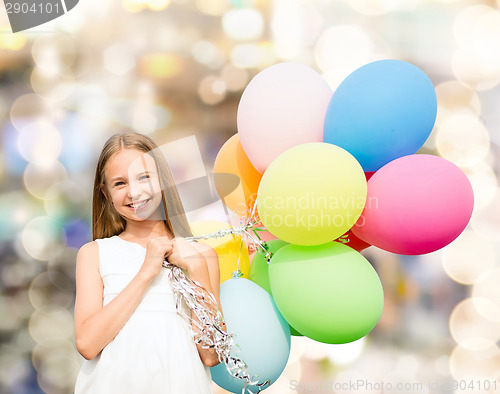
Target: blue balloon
(262, 334)
(381, 111)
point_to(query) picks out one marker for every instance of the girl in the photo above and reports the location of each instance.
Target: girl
(126, 324)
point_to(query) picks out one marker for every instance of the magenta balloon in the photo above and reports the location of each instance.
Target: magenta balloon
(416, 204)
(283, 106)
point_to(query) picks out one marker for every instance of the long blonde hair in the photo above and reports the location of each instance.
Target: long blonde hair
(106, 222)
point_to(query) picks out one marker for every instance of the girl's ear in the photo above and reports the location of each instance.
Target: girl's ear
(105, 193)
(103, 190)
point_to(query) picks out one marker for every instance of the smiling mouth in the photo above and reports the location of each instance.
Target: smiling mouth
(138, 205)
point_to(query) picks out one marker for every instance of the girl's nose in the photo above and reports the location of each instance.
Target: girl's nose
(134, 190)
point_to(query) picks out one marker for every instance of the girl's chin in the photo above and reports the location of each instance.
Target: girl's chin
(155, 215)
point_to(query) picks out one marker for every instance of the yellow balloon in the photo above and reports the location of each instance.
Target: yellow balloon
(229, 248)
(311, 194)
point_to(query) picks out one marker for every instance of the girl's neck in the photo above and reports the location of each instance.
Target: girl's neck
(145, 230)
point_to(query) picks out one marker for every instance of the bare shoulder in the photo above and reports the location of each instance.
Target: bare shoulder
(89, 247)
(89, 251)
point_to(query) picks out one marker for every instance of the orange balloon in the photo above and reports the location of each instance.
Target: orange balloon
(236, 179)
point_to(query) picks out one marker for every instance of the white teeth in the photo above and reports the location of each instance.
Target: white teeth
(136, 206)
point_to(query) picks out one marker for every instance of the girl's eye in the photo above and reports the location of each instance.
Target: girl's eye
(141, 178)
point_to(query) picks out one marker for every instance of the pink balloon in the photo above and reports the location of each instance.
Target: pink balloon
(416, 204)
(283, 106)
(266, 236)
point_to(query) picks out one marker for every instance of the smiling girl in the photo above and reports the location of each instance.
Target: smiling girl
(126, 324)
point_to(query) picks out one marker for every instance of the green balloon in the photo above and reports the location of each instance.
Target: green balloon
(294, 332)
(259, 272)
(330, 292)
(259, 269)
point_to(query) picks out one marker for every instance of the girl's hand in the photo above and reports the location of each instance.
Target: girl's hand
(184, 255)
(156, 251)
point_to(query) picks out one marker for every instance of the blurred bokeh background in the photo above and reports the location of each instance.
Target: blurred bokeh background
(177, 68)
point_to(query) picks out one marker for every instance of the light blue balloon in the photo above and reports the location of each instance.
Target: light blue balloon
(382, 111)
(261, 332)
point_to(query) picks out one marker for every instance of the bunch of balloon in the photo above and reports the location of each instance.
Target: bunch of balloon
(334, 174)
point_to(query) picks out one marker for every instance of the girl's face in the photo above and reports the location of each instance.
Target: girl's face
(133, 185)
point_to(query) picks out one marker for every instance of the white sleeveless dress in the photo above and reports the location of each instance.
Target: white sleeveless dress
(154, 352)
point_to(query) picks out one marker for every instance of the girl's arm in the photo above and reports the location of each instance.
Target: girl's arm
(207, 274)
(95, 325)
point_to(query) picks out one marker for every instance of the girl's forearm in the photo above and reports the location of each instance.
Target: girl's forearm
(199, 273)
(101, 328)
